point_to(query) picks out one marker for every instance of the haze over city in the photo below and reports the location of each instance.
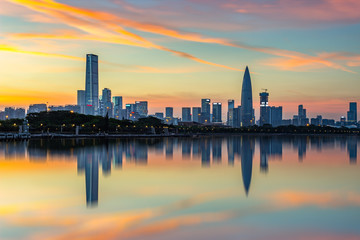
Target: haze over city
(176, 53)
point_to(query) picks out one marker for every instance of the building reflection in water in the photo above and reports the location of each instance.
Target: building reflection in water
(92, 179)
(247, 154)
(352, 149)
(91, 154)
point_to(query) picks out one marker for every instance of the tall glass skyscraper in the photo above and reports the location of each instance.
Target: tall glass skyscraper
(216, 112)
(92, 84)
(196, 114)
(106, 105)
(186, 114)
(352, 113)
(247, 111)
(117, 100)
(205, 110)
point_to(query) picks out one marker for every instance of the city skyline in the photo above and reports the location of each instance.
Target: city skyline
(310, 59)
(89, 102)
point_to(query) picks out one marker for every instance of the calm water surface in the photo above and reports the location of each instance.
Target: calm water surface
(181, 188)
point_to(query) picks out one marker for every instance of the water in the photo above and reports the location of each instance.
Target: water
(181, 188)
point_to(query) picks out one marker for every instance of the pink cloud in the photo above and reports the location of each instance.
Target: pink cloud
(303, 10)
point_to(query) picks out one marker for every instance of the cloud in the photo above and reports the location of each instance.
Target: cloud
(15, 49)
(288, 199)
(300, 12)
(107, 27)
(110, 27)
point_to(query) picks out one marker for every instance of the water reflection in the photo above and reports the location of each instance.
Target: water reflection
(91, 154)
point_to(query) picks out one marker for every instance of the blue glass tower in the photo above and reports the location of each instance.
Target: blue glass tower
(92, 84)
(247, 112)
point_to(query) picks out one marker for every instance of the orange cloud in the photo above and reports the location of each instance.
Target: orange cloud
(14, 49)
(97, 23)
(107, 27)
(327, 199)
(306, 11)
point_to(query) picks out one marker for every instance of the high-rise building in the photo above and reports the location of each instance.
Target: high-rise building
(92, 84)
(352, 113)
(106, 104)
(216, 116)
(247, 111)
(231, 105)
(196, 114)
(264, 108)
(205, 110)
(276, 116)
(302, 121)
(118, 107)
(186, 114)
(169, 112)
(141, 107)
(81, 100)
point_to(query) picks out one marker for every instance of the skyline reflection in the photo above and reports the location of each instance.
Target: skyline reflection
(91, 154)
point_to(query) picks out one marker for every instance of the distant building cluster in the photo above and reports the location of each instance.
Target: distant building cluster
(90, 103)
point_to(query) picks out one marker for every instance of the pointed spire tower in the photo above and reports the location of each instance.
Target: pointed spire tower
(247, 112)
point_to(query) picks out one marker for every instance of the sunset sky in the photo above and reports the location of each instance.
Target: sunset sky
(175, 52)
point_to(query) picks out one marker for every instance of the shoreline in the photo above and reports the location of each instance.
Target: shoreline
(49, 136)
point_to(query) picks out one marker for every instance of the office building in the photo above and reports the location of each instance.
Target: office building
(216, 116)
(196, 114)
(106, 107)
(169, 112)
(302, 120)
(231, 105)
(118, 107)
(205, 110)
(141, 107)
(276, 116)
(81, 100)
(247, 111)
(186, 114)
(92, 84)
(352, 113)
(265, 116)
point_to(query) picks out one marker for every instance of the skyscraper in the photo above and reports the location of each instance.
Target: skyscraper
(302, 121)
(276, 116)
(141, 107)
(92, 84)
(186, 114)
(169, 112)
(216, 112)
(117, 101)
(196, 114)
(352, 113)
(81, 100)
(264, 108)
(106, 105)
(231, 105)
(205, 110)
(247, 112)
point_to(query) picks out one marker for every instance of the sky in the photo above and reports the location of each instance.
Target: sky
(175, 52)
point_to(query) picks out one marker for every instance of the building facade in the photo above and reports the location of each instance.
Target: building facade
(92, 84)
(216, 116)
(247, 111)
